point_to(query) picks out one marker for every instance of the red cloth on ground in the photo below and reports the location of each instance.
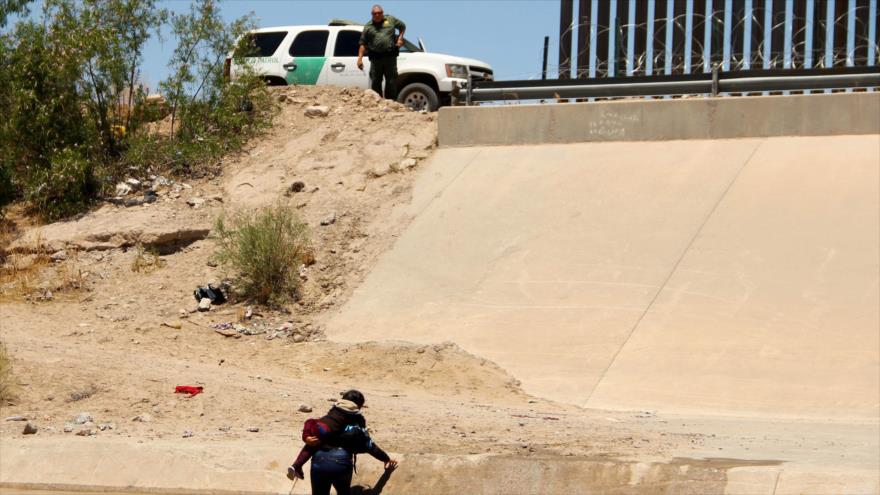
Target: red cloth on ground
(188, 389)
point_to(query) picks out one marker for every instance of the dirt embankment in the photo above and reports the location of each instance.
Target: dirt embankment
(98, 311)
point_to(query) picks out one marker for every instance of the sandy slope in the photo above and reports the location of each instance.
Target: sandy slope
(105, 330)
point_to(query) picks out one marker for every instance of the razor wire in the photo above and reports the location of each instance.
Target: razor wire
(760, 50)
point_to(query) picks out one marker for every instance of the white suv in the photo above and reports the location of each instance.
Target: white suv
(328, 55)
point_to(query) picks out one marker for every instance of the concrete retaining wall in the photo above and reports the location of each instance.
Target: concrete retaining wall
(661, 120)
(225, 468)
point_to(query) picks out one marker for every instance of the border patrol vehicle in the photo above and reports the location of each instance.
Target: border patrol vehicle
(319, 55)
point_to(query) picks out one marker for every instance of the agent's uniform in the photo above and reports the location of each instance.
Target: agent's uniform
(380, 41)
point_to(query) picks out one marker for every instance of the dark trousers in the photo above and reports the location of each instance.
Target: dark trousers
(384, 67)
(331, 467)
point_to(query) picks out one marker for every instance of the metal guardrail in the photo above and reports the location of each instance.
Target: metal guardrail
(713, 83)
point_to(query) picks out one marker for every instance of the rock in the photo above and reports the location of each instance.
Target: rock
(304, 408)
(187, 433)
(29, 429)
(68, 427)
(134, 183)
(253, 429)
(48, 296)
(86, 432)
(142, 418)
(329, 219)
(122, 189)
(106, 426)
(281, 99)
(317, 111)
(205, 304)
(248, 313)
(380, 170)
(297, 186)
(195, 202)
(16, 418)
(228, 332)
(59, 255)
(83, 418)
(298, 338)
(407, 163)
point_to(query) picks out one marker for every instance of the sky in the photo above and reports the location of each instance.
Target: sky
(507, 34)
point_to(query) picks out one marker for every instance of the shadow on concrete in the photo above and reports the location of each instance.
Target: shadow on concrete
(375, 489)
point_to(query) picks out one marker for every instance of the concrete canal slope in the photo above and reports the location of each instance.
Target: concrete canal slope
(721, 277)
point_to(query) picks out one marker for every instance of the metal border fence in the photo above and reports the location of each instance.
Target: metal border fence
(716, 47)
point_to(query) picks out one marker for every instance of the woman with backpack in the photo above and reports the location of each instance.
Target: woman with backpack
(342, 434)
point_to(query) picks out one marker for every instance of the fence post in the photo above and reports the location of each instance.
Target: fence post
(715, 75)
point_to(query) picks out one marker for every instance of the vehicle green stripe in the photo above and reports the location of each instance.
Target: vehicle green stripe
(307, 70)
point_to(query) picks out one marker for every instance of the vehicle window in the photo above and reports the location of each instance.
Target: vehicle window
(310, 44)
(409, 47)
(347, 44)
(265, 44)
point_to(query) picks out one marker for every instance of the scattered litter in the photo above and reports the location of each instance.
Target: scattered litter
(172, 324)
(192, 390)
(214, 294)
(16, 418)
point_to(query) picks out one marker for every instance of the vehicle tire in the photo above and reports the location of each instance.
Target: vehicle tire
(419, 96)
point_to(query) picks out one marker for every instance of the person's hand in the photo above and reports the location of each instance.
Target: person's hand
(391, 465)
(400, 41)
(312, 441)
(360, 63)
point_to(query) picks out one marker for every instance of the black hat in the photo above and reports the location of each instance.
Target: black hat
(354, 396)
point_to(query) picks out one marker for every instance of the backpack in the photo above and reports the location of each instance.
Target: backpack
(355, 439)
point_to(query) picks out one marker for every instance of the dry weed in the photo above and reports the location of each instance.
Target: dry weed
(7, 388)
(146, 260)
(83, 394)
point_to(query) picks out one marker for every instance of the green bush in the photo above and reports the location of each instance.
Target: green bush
(64, 188)
(263, 249)
(7, 191)
(69, 85)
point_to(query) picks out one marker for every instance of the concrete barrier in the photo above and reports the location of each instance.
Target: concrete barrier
(661, 120)
(226, 468)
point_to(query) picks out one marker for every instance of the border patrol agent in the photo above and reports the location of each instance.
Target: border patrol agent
(381, 46)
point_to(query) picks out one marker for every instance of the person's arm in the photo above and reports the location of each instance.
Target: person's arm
(381, 455)
(360, 63)
(401, 26)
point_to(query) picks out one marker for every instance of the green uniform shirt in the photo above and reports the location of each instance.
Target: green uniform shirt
(381, 39)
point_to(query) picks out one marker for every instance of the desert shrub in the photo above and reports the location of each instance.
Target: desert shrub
(75, 109)
(65, 187)
(7, 191)
(263, 250)
(7, 394)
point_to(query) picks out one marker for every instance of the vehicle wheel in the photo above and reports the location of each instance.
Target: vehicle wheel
(419, 96)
